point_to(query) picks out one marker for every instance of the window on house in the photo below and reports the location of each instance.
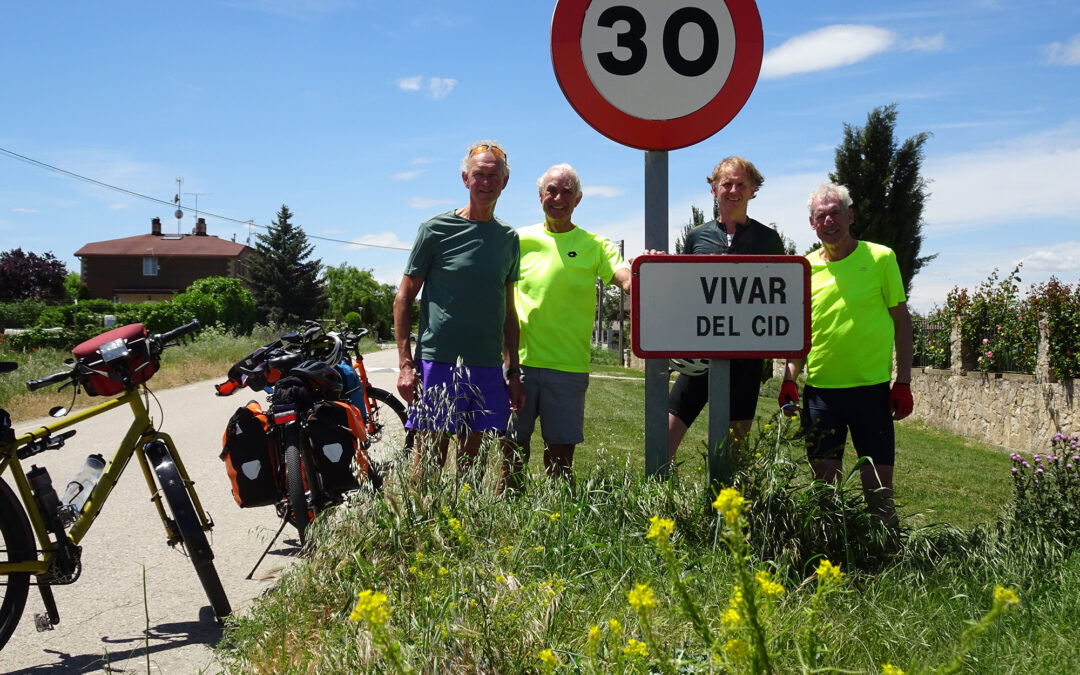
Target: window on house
(149, 266)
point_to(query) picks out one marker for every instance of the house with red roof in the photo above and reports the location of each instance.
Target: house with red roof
(152, 267)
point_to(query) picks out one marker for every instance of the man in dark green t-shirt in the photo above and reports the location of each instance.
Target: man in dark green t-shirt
(466, 261)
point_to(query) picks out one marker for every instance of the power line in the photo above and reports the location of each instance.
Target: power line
(248, 223)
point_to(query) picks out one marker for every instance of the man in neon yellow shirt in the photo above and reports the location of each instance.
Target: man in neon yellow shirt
(858, 315)
(555, 299)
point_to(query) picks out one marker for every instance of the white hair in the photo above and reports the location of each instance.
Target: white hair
(466, 161)
(824, 190)
(566, 170)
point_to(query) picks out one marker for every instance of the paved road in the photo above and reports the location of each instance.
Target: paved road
(103, 616)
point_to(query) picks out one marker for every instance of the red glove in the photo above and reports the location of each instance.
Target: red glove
(789, 396)
(900, 402)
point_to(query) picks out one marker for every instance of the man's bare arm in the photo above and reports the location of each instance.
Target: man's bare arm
(403, 301)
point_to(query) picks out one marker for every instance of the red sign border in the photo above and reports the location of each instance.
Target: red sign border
(635, 320)
(680, 132)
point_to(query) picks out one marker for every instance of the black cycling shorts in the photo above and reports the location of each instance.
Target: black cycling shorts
(690, 393)
(829, 413)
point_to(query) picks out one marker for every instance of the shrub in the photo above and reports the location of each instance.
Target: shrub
(21, 313)
(1060, 305)
(998, 330)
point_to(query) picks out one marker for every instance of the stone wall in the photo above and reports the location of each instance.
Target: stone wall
(1014, 411)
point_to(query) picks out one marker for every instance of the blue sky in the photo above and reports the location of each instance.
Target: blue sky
(355, 114)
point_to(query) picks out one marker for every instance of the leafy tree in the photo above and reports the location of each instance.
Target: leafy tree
(887, 190)
(284, 278)
(355, 290)
(30, 276)
(74, 287)
(697, 217)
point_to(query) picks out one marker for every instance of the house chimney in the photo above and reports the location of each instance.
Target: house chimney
(200, 227)
(155, 227)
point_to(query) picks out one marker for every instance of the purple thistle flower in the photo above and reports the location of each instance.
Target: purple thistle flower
(1026, 465)
(1016, 471)
(1076, 458)
(1037, 458)
(1039, 470)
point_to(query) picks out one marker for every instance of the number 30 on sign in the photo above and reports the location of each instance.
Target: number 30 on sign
(656, 74)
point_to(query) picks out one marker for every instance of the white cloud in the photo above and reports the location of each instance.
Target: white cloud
(119, 207)
(966, 191)
(425, 203)
(928, 43)
(1063, 53)
(825, 49)
(378, 240)
(1060, 258)
(410, 83)
(437, 87)
(602, 191)
(21, 210)
(406, 175)
(440, 87)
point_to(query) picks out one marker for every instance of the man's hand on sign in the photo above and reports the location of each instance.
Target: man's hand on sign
(789, 398)
(900, 401)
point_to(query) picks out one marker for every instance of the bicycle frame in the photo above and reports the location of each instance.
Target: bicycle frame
(139, 433)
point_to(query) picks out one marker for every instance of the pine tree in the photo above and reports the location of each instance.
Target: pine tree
(886, 188)
(285, 280)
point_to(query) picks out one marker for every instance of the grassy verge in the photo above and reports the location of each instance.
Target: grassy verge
(454, 579)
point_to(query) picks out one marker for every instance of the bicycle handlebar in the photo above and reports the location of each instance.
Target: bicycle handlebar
(34, 385)
(8, 366)
(178, 332)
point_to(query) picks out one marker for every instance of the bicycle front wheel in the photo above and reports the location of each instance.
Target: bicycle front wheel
(186, 527)
(16, 545)
(297, 494)
(389, 438)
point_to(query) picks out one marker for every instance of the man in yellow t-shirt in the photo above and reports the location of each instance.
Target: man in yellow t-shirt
(858, 315)
(555, 299)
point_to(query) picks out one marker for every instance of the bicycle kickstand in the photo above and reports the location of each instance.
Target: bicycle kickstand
(284, 522)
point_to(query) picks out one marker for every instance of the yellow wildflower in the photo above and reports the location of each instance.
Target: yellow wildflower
(455, 524)
(641, 597)
(736, 600)
(443, 571)
(446, 511)
(829, 573)
(770, 588)
(594, 633)
(730, 503)
(538, 549)
(548, 658)
(730, 618)
(660, 530)
(635, 648)
(890, 669)
(465, 489)
(507, 550)
(737, 649)
(615, 626)
(1005, 596)
(555, 517)
(370, 608)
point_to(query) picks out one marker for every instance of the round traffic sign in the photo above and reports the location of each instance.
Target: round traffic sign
(656, 75)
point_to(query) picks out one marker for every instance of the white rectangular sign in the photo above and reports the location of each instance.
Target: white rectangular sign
(721, 306)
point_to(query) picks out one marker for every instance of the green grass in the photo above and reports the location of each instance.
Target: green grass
(477, 583)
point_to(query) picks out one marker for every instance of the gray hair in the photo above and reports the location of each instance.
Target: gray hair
(566, 170)
(466, 161)
(824, 190)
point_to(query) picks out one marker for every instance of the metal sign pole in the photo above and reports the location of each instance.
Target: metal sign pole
(719, 422)
(656, 370)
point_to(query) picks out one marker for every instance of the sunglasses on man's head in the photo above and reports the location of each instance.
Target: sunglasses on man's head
(483, 147)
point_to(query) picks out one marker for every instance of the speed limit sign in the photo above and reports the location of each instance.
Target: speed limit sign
(657, 75)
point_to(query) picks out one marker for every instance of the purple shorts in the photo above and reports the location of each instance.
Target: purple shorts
(457, 399)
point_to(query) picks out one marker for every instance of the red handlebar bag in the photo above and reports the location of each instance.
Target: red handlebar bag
(108, 378)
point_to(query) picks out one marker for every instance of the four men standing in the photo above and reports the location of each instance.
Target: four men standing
(480, 279)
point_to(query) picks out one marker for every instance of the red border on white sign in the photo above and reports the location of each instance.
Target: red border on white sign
(679, 132)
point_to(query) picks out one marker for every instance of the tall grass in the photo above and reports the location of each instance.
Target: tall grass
(453, 579)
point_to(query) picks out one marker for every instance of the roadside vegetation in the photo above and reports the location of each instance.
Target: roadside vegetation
(620, 573)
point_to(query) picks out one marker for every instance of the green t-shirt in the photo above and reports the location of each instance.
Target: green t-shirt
(556, 295)
(851, 330)
(465, 265)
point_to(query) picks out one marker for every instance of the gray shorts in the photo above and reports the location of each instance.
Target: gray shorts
(557, 398)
